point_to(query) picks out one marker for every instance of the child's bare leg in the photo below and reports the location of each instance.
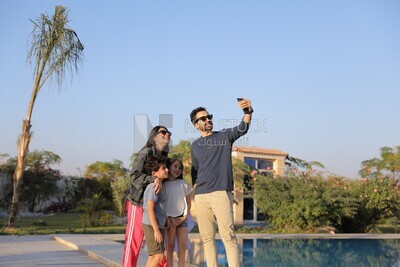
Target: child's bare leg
(170, 234)
(182, 234)
(154, 260)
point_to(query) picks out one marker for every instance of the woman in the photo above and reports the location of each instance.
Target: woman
(157, 145)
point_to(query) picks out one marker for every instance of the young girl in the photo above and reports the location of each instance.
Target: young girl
(177, 208)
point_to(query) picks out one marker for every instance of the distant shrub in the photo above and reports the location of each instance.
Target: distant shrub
(307, 201)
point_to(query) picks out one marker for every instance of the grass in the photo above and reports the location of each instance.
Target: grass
(70, 223)
(66, 223)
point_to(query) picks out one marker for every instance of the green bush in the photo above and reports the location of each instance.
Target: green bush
(378, 202)
(293, 203)
(307, 201)
(93, 215)
(341, 202)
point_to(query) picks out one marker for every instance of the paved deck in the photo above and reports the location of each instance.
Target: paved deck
(40, 250)
(104, 250)
(64, 250)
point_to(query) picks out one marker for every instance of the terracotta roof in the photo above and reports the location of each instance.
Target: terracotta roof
(261, 151)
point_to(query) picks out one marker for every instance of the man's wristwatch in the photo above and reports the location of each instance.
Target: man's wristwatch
(247, 110)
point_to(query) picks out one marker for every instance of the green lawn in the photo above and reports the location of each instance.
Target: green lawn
(55, 224)
(70, 223)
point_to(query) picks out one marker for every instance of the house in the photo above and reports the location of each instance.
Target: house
(264, 161)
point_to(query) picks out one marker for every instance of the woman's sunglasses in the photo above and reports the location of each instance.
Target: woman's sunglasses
(164, 132)
(204, 118)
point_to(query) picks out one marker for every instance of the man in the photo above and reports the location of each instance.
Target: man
(212, 181)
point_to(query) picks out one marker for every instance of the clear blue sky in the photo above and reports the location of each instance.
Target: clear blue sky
(323, 76)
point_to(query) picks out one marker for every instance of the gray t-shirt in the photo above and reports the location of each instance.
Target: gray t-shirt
(212, 159)
(159, 208)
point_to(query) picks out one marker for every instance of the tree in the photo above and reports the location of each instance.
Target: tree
(294, 164)
(386, 166)
(55, 49)
(6, 170)
(105, 170)
(39, 179)
(240, 170)
(113, 181)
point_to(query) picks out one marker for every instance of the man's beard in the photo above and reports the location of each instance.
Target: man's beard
(208, 127)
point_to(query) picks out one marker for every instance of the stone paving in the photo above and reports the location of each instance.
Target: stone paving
(105, 250)
(65, 250)
(41, 250)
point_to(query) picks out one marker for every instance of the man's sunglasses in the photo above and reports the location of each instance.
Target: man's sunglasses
(204, 118)
(164, 132)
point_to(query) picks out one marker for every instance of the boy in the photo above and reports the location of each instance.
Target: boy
(154, 217)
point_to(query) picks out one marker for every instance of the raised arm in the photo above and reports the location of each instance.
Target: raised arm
(243, 127)
(245, 105)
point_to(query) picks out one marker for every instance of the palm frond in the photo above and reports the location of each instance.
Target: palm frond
(55, 48)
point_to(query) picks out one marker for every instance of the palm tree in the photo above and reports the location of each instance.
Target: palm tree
(293, 163)
(55, 49)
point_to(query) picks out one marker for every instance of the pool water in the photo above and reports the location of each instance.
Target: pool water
(314, 252)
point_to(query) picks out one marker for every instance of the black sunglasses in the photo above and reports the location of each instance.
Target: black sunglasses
(204, 118)
(164, 132)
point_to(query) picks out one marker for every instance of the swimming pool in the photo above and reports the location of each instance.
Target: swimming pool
(364, 250)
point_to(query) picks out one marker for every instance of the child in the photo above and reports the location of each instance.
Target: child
(154, 217)
(177, 208)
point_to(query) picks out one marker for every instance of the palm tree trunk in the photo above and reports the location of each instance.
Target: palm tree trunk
(23, 147)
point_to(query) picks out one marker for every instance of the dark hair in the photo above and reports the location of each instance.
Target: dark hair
(171, 161)
(153, 164)
(150, 141)
(194, 113)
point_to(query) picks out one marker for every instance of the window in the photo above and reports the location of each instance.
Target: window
(265, 164)
(251, 162)
(260, 164)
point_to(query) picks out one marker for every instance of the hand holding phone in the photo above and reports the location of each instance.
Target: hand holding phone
(240, 99)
